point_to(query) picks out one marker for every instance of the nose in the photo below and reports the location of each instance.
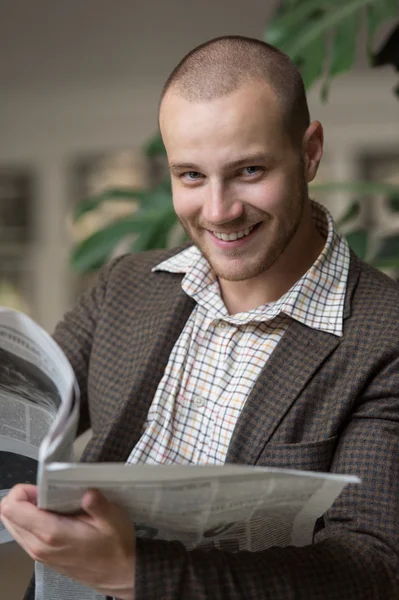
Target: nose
(220, 204)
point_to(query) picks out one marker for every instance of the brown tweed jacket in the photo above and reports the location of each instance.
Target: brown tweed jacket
(321, 403)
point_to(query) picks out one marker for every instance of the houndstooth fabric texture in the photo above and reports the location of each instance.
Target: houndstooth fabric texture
(218, 357)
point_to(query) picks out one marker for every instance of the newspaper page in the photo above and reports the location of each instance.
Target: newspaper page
(38, 402)
(231, 507)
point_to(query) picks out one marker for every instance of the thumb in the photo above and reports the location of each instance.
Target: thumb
(96, 505)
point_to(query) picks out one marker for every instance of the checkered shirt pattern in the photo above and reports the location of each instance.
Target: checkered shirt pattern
(218, 357)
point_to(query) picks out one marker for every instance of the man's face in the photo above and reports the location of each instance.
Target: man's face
(239, 187)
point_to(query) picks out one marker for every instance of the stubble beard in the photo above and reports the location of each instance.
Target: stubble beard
(263, 261)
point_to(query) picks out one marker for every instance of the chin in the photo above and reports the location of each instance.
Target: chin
(248, 270)
(238, 273)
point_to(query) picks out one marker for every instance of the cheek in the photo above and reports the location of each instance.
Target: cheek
(269, 195)
(186, 202)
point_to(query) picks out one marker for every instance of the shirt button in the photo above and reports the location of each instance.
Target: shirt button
(222, 325)
(199, 401)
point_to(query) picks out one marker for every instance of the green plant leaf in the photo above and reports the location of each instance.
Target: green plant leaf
(352, 212)
(299, 26)
(156, 236)
(287, 21)
(312, 61)
(155, 199)
(388, 252)
(358, 241)
(343, 51)
(111, 195)
(336, 14)
(151, 221)
(392, 7)
(166, 185)
(391, 262)
(289, 4)
(148, 240)
(394, 203)
(151, 198)
(148, 218)
(96, 249)
(155, 147)
(368, 188)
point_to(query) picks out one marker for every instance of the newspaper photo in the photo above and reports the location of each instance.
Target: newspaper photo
(230, 507)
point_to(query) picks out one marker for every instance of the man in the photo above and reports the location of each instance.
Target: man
(267, 342)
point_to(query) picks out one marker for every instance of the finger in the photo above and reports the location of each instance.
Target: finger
(18, 511)
(96, 505)
(34, 520)
(102, 514)
(38, 549)
(25, 539)
(24, 492)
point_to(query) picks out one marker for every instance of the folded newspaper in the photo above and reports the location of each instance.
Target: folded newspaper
(232, 507)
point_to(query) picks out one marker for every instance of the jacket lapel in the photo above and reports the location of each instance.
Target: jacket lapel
(298, 355)
(153, 330)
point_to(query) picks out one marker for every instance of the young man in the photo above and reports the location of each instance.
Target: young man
(288, 340)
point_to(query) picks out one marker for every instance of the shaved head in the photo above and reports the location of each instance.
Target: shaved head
(222, 65)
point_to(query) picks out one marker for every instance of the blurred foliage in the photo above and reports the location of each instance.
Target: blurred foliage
(150, 225)
(320, 36)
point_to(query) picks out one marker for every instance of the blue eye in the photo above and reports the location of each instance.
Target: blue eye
(252, 170)
(192, 175)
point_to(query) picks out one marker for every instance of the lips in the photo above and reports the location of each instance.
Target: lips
(236, 235)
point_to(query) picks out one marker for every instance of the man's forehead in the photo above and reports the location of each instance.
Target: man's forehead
(258, 92)
(232, 123)
(249, 108)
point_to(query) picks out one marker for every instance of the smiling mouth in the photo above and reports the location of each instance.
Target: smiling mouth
(236, 235)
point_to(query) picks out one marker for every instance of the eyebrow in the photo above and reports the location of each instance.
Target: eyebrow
(252, 159)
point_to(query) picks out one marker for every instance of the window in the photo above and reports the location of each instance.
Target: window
(16, 203)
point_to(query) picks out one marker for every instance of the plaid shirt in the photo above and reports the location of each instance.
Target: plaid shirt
(218, 357)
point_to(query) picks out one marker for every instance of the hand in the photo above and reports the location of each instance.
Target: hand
(97, 548)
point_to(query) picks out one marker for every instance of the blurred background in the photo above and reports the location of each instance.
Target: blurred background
(79, 89)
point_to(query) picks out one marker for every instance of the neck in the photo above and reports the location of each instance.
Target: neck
(292, 264)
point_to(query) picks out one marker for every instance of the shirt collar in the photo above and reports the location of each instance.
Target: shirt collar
(317, 299)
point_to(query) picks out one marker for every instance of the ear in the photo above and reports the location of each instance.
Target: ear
(312, 147)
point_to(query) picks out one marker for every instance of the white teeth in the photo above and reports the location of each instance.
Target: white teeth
(231, 237)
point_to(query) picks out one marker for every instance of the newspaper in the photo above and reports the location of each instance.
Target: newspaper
(39, 403)
(230, 507)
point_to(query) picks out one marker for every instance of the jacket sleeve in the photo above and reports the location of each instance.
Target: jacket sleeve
(75, 333)
(355, 551)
